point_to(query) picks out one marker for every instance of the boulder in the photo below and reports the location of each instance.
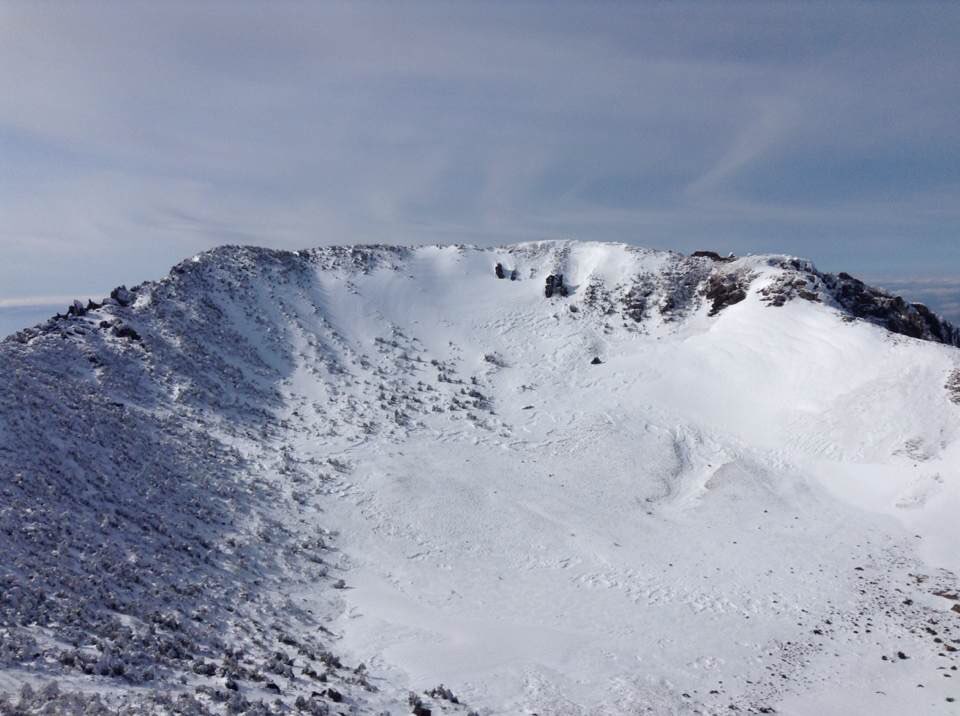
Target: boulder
(554, 285)
(76, 309)
(122, 295)
(126, 332)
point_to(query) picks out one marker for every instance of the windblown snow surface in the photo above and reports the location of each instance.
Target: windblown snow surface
(320, 481)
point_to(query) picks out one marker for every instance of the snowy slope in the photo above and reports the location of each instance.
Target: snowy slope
(272, 467)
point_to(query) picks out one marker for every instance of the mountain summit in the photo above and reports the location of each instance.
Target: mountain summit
(556, 478)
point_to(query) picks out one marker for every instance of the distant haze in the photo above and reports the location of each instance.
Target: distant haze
(133, 135)
(13, 319)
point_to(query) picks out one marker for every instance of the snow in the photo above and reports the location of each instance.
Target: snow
(753, 509)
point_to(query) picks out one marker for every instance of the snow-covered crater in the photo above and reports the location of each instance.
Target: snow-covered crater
(320, 480)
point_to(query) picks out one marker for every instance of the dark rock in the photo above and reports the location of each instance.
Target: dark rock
(598, 298)
(495, 359)
(76, 309)
(498, 270)
(122, 295)
(713, 256)
(272, 687)
(550, 285)
(726, 289)
(414, 701)
(858, 300)
(892, 312)
(204, 668)
(554, 285)
(637, 300)
(126, 332)
(596, 361)
(330, 660)
(334, 695)
(313, 705)
(934, 325)
(442, 692)
(680, 286)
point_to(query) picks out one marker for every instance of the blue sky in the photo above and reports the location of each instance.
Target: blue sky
(133, 135)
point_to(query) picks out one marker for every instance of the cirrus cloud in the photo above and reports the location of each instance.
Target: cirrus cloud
(134, 134)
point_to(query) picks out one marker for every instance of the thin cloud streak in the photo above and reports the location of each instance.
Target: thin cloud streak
(39, 301)
(134, 135)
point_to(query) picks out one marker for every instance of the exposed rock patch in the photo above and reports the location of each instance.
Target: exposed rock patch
(892, 312)
(713, 256)
(858, 300)
(555, 286)
(726, 289)
(122, 295)
(636, 302)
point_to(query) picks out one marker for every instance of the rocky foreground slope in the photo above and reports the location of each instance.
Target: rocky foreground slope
(556, 478)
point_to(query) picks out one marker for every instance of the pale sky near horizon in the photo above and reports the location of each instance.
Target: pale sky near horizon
(133, 135)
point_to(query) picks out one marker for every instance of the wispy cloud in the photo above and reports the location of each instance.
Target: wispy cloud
(135, 134)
